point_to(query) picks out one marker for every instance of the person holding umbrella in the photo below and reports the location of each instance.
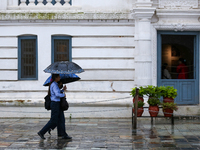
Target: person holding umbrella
(60, 85)
(57, 115)
(64, 68)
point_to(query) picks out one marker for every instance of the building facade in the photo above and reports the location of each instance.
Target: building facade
(119, 43)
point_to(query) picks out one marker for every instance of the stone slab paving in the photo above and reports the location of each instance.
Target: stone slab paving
(102, 134)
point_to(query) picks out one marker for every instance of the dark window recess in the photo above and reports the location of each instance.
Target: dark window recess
(28, 58)
(175, 47)
(61, 50)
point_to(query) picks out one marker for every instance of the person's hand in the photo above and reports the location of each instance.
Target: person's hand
(65, 94)
(65, 88)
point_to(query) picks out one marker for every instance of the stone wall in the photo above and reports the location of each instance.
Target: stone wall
(104, 50)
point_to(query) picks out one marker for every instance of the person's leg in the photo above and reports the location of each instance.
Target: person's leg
(52, 128)
(61, 124)
(54, 118)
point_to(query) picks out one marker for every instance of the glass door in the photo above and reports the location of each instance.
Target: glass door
(178, 64)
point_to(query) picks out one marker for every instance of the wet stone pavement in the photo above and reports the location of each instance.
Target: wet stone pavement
(102, 134)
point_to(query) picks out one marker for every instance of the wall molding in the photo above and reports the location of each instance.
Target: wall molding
(178, 4)
(69, 22)
(56, 15)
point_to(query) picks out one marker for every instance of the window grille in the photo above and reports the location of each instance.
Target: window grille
(61, 47)
(27, 58)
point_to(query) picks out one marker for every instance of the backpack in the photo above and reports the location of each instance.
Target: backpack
(47, 103)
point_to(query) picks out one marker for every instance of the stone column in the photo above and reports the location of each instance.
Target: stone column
(143, 58)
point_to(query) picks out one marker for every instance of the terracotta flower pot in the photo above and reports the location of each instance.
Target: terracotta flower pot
(168, 100)
(153, 111)
(139, 111)
(167, 112)
(139, 99)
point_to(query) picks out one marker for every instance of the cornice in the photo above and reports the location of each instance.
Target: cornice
(27, 15)
(177, 27)
(178, 13)
(143, 12)
(69, 22)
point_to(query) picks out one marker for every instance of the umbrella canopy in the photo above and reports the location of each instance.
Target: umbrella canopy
(63, 67)
(64, 78)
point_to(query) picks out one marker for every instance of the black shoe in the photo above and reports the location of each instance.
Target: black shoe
(42, 136)
(67, 137)
(49, 131)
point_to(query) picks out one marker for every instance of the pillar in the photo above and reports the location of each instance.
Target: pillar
(143, 58)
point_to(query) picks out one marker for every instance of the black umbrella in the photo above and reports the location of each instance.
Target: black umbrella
(63, 67)
(64, 78)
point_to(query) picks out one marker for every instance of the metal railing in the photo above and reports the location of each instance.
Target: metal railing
(35, 4)
(43, 2)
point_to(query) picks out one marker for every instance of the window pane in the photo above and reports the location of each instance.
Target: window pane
(178, 57)
(28, 58)
(61, 50)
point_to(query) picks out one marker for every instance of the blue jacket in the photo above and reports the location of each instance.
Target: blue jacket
(56, 92)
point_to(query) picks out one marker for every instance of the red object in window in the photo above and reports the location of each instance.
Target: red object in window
(182, 69)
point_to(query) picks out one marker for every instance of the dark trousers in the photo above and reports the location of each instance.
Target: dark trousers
(57, 120)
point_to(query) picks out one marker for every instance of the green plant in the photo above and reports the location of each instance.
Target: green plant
(168, 91)
(140, 104)
(153, 101)
(172, 106)
(141, 93)
(152, 91)
(70, 116)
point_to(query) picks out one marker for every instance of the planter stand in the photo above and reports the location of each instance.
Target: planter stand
(172, 119)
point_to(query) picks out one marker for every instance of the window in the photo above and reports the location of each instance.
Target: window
(61, 48)
(178, 57)
(27, 58)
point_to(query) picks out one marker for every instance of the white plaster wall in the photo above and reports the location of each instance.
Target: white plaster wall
(80, 5)
(104, 5)
(105, 52)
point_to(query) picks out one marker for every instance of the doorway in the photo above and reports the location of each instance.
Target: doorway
(178, 64)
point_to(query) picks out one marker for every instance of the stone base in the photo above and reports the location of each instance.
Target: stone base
(73, 112)
(89, 111)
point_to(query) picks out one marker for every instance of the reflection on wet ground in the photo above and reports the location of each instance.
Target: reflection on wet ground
(111, 134)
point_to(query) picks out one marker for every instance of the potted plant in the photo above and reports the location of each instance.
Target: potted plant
(141, 94)
(153, 102)
(140, 108)
(168, 109)
(152, 91)
(168, 93)
(154, 94)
